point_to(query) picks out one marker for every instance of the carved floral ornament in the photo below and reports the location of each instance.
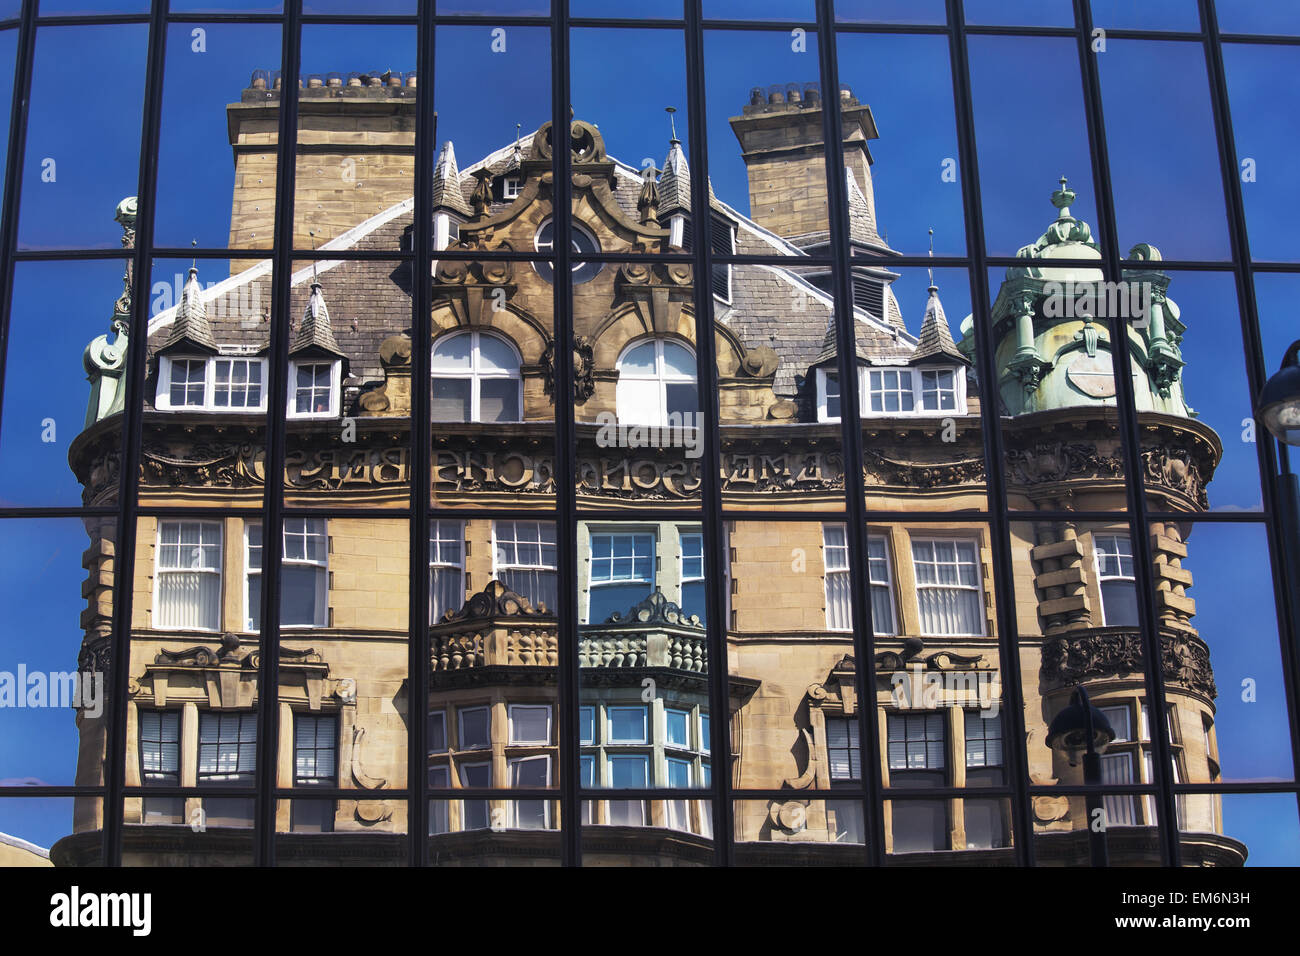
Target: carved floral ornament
(1068, 659)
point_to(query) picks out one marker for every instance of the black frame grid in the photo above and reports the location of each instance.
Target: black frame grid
(1019, 791)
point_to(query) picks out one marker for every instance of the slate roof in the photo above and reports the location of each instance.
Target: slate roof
(371, 299)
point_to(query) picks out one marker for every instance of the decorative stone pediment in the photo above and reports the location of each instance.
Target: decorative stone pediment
(1111, 652)
(224, 676)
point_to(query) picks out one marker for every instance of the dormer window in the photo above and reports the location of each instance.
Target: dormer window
(722, 242)
(511, 187)
(219, 383)
(314, 388)
(895, 391)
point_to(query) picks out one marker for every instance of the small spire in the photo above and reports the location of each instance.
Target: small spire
(447, 192)
(1062, 199)
(194, 262)
(675, 181)
(935, 338)
(930, 268)
(191, 326)
(315, 332)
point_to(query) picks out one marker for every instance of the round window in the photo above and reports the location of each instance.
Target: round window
(581, 243)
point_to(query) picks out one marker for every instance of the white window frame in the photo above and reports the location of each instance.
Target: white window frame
(887, 584)
(336, 374)
(977, 587)
(958, 390)
(498, 566)
(580, 269)
(440, 716)
(1098, 552)
(446, 530)
(621, 531)
(641, 412)
(322, 576)
(511, 187)
(475, 374)
(512, 814)
(460, 727)
(510, 716)
(163, 395)
(675, 747)
(611, 740)
(692, 531)
(159, 571)
(824, 376)
(908, 389)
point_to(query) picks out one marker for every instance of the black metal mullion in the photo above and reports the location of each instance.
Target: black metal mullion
(268, 689)
(1004, 582)
(132, 422)
(24, 58)
(706, 372)
(125, 543)
(1126, 410)
(864, 676)
(1288, 609)
(417, 678)
(566, 536)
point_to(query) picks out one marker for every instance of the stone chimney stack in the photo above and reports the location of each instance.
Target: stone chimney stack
(781, 141)
(356, 154)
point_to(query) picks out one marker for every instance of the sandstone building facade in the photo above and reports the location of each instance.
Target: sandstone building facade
(793, 703)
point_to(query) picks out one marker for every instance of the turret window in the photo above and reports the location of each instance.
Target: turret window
(1114, 561)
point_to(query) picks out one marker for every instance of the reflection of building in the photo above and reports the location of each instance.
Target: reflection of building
(645, 717)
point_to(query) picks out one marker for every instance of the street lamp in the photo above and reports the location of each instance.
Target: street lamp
(1082, 729)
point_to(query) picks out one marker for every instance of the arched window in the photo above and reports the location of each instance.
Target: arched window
(475, 379)
(656, 379)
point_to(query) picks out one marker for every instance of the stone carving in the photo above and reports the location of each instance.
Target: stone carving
(199, 655)
(584, 369)
(1175, 469)
(394, 396)
(363, 779)
(656, 609)
(217, 464)
(910, 474)
(1185, 660)
(1060, 461)
(495, 600)
(453, 652)
(888, 661)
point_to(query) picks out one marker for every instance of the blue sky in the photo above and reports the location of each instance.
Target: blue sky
(1029, 129)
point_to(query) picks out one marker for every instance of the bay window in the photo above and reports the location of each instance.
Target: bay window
(622, 573)
(221, 383)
